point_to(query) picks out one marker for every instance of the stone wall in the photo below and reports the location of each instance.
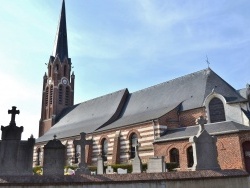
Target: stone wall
(196, 179)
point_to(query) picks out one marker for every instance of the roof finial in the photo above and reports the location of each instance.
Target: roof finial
(208, 63)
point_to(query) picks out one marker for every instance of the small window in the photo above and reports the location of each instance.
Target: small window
(216, 110)
(77, 153)
(65, 71)
(51, 94)
(60, 94)
(174, 156)
(49, 70)
(67, 96)
(47, 97)
(190, 157)
(105, 149)
(38, 160)
(133, 142)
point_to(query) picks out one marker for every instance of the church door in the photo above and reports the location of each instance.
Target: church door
(246, 151)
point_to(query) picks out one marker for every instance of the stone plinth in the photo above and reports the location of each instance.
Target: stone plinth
(156, 164)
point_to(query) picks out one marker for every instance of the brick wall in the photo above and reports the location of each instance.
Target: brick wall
(188, 118)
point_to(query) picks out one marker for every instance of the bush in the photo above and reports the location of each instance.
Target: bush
(38, 170)
(171, 166)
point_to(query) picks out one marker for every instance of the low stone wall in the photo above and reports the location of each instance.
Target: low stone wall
(195, 179)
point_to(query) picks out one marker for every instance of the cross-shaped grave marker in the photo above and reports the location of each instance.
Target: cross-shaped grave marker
(13, 113)
(82, 142)
(201, 121)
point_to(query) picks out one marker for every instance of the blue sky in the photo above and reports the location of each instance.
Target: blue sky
(116, 44)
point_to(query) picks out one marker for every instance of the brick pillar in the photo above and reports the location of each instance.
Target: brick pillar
(89, 150)
(116, 148)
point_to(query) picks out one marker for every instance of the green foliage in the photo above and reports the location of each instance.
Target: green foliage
(171, 166)
(38, 170)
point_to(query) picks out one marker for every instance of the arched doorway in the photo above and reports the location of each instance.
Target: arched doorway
(246, 152)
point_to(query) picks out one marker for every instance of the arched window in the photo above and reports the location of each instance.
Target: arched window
(105, 149)
(38, 160)
(77, 153)
(47, 97)
(133, 143)
(67, 96)
(190, 157)
(216, 110)
(174, 156)
(51, 94)
(60, 94)
(65, 70)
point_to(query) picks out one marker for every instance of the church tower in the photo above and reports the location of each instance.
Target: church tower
(58, 82)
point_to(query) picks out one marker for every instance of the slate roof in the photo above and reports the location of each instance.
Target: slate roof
(87, 116)
(218, 128)
(187, 92)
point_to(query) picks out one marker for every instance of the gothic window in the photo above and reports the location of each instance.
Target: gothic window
(47, 97)
(174, 156)
(105, 149)
(51, 94)
(190, 157)
(77, 153)
(67, 96)
(65, 70)
(133, 142)
(216, 110)
(60, 94)
(38, 160)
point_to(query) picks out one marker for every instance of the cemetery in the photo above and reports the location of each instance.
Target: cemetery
(17, 160)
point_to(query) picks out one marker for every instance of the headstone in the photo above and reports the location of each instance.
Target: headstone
(156, 164)
(54, 158)
(204, 149)
(16, 156)
(136, 162)
(122, 171)
(100, 165)
(83, 168)
(109, 170)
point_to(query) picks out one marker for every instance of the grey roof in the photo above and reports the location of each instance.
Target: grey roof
(185, 93)
(87, 116)
(190, 91)
(218, 128)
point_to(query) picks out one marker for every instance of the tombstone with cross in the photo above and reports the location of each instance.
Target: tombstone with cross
(83, 169)
(204, 148)
(16, 156)
(136, 162)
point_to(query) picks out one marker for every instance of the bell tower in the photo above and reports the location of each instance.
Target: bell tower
(58, 82)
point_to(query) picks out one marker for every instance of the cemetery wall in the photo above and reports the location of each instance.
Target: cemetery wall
(196, 179)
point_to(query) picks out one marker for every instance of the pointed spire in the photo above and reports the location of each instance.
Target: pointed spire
(61, 43)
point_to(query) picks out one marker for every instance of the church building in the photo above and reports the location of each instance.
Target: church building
(158, 119)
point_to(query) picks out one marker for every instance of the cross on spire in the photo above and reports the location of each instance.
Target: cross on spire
(208, 63)
(13, 113)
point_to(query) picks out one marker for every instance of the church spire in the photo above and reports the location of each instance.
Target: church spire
(61, 43)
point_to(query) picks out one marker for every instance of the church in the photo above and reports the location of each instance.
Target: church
(156, 121)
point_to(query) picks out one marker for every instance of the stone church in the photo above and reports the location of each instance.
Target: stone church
(160, 118)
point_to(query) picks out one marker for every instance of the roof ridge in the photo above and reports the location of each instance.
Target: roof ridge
(102, 96)
(172, 80)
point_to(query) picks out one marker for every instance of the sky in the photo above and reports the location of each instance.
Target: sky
(117, 44)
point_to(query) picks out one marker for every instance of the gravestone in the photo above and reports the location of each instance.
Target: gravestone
(16, 156)
(136, 163)
(83, 168)
(156, 164)
(122, 171)
(54, 158)
(100, 165)
(109, 170)
(204, 149)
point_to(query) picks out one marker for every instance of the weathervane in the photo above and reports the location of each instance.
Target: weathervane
(208, 63)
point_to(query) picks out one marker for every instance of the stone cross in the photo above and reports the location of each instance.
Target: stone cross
(201, 121)
(136, 146)
(13, 113)
(82, 142)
